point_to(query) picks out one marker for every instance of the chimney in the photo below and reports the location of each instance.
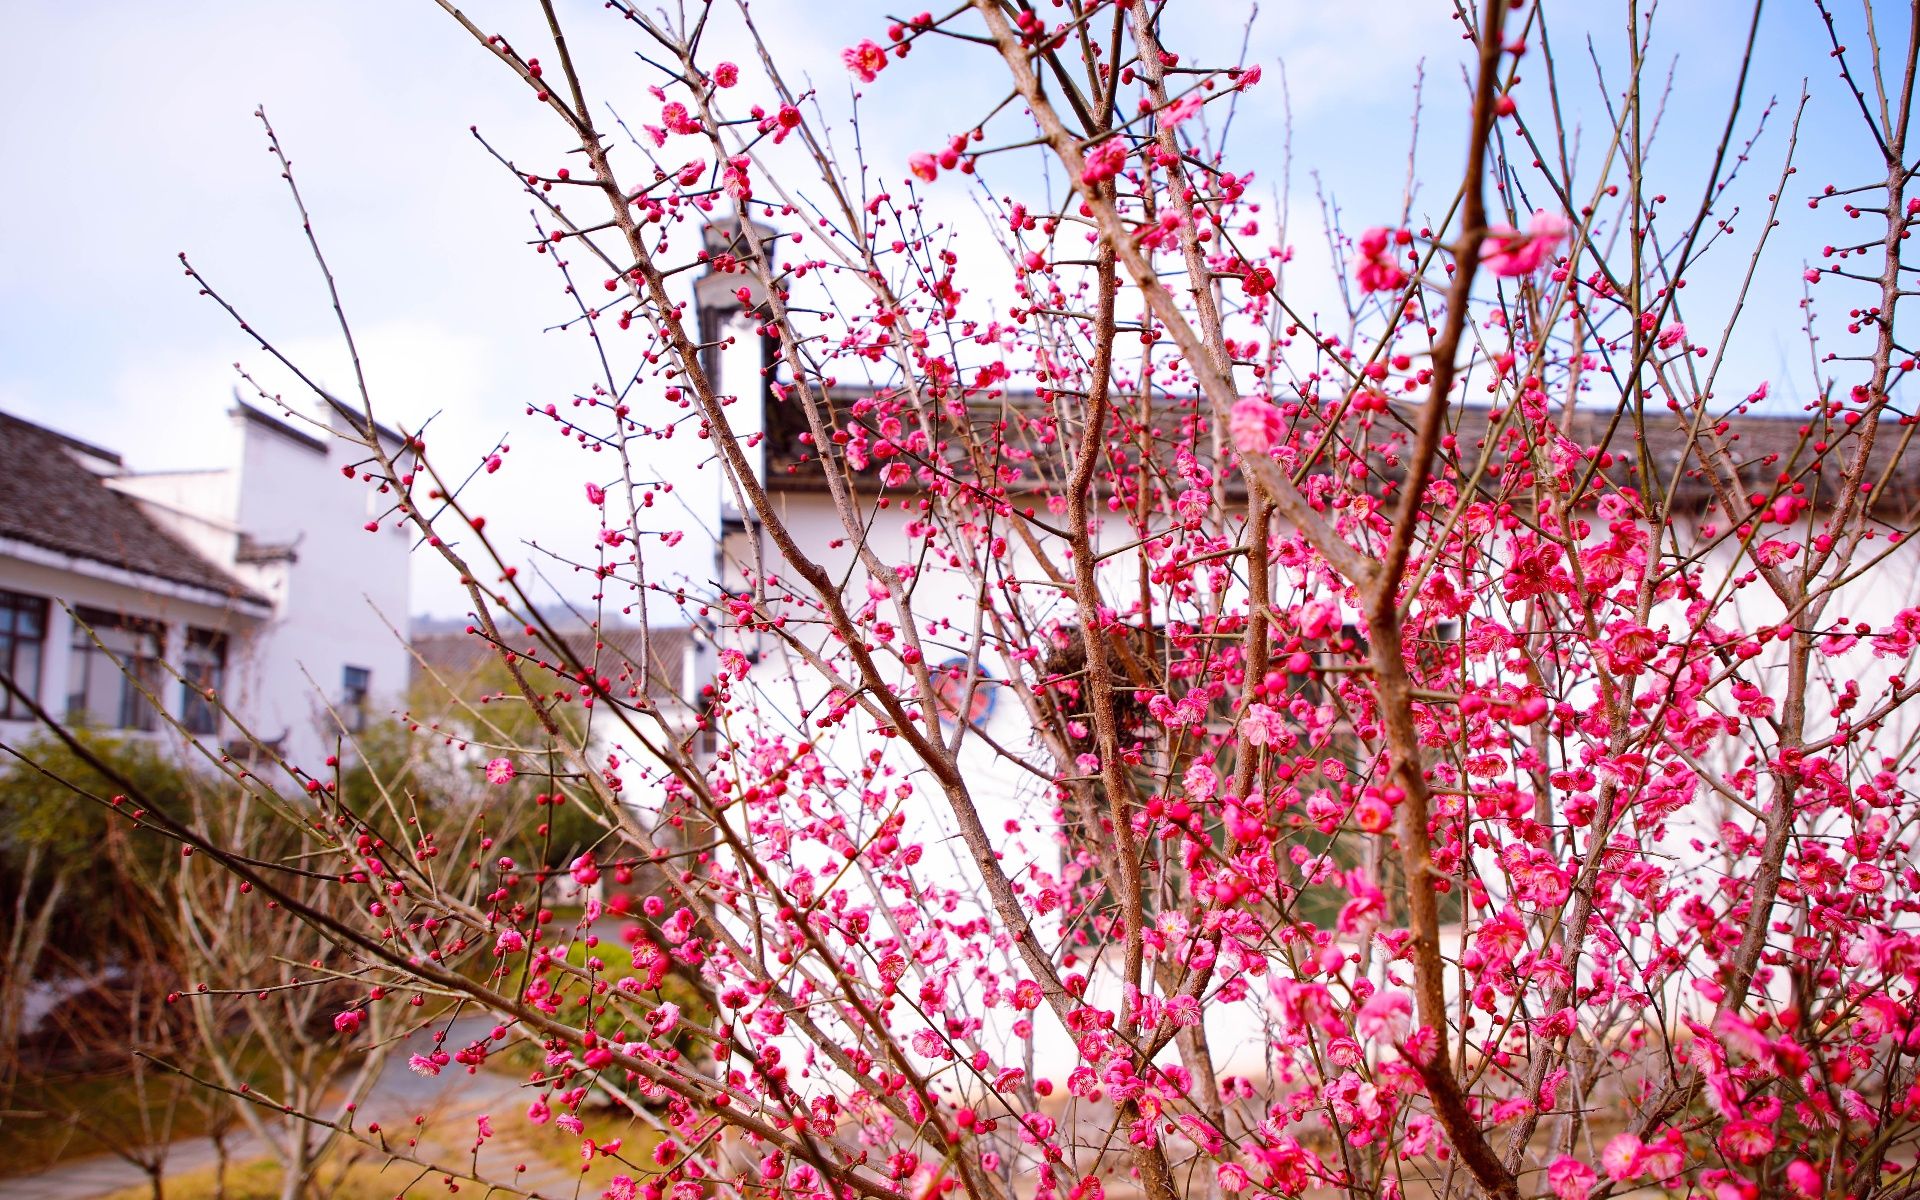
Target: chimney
(722, 314)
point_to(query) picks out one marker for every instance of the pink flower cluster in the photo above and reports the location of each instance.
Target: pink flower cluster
(1510, 252)
(1379, 269)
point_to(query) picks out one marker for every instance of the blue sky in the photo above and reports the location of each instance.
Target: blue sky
(132, 139)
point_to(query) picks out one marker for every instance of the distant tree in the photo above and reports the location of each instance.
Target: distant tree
(103, 958)
(453, 727)
(264, 1001)
(69, 870)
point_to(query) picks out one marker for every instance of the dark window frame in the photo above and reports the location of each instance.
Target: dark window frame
(17, 608)
(356, 686)
(136, 670)
(204, 665)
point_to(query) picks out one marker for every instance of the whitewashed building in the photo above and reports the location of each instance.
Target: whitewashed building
(784, 459)
(254, 577)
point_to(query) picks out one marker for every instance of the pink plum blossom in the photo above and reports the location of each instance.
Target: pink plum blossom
(1509, 252)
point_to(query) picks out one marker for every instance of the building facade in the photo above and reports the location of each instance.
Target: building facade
(126, 596)
(785, 459)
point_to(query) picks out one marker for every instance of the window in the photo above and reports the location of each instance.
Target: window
(205, 668)
(1339, 660)
(1434, 654)
(355, 683)
(105, 679)
(23, 638)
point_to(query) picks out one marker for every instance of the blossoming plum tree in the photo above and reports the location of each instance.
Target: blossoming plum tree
(1458, 684)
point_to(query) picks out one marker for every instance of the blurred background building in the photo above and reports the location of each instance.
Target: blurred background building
(253, 578)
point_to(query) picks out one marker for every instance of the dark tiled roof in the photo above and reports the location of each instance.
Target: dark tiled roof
(1761, 446)
(266, 421)
(462, 660)
(51, 500)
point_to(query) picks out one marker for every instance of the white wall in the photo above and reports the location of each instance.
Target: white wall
(334, 600)
(788, 687)
(741, 387)
(195, 506)
(334, 587)
(1015, 806)
(1005, 793)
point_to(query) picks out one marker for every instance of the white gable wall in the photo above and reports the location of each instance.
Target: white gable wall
(334, 597)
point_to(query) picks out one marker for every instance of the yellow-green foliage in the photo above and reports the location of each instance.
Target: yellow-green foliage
(260, 1180)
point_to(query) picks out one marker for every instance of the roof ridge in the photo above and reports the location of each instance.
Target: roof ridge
(80, 444)
(50, 500)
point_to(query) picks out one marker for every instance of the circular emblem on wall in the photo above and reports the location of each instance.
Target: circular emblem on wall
(950, 689)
